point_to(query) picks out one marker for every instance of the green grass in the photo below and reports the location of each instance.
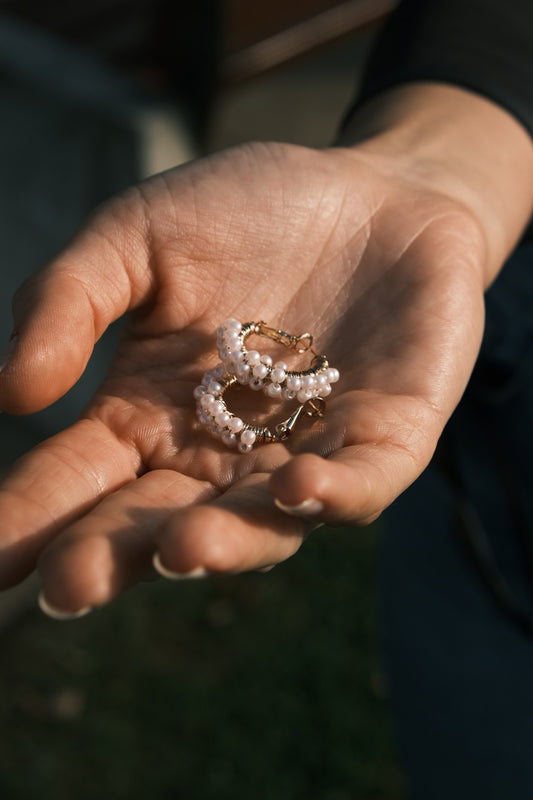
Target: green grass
(255, 686)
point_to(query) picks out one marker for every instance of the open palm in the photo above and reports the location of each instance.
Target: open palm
(382, 270)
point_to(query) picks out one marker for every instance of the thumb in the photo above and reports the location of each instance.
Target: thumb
(62, 310)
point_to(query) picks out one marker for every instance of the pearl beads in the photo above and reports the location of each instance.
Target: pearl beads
(260, 373)
(213, 413)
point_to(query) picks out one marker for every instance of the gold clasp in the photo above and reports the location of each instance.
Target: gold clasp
(301, 343)
(315, 407)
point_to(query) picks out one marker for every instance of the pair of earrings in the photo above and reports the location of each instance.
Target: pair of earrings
(250, 368)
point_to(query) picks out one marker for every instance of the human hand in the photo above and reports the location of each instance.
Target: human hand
(385, 269)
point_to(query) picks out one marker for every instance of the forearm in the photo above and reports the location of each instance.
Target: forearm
(460, 144)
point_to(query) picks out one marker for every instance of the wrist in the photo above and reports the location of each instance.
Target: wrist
(459, 144)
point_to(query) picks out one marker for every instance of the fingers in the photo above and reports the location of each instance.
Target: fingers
(241, 530)
(379, 445)
(191, 532)
(61, 311)
(112, 547)
(352, 487)
(54, 484)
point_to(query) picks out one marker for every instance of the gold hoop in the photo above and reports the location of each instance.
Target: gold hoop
(214, 414)
(258, 371)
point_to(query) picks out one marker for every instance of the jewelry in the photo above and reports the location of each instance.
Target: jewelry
(213, 413)
(275, 379)
(248, 367)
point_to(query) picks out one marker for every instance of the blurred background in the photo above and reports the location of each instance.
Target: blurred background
(263, 686)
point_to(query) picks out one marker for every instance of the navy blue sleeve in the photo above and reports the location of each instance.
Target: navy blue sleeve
(482, 45)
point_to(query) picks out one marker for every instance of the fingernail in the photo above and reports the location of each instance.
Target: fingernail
(197, 572)
(306, 508)
(5, 357)
(55, 613)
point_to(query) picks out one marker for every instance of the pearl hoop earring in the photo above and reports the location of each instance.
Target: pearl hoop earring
(249, 368)
(258, 371)
(214, 414)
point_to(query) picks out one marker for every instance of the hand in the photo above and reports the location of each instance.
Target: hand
(384, 269)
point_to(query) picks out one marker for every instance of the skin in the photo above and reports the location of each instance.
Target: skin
(381, 247)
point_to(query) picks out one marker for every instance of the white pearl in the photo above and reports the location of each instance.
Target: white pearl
(229, 439)
(219, 371)
(294, 383)
(308, 381)
(280, 365)
(244, 448)
(232, 344)
(243, 378)
(237, 355)
(232, 324)
(248, 436)
(207, 400)
(216, 407)
(304, 395)
(324, 391)
(266, 360)
(332, 374)
(222, 418)
(289, 394)
(273, 390)
(253, 357)
(243, 370)
(235, 424)
(278, 375)
(199, 392)
(260, 371)
(214, 388)
(256, 384)
(321, 379)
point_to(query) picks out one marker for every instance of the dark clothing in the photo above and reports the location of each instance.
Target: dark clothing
(482, 45)
(457, 577)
